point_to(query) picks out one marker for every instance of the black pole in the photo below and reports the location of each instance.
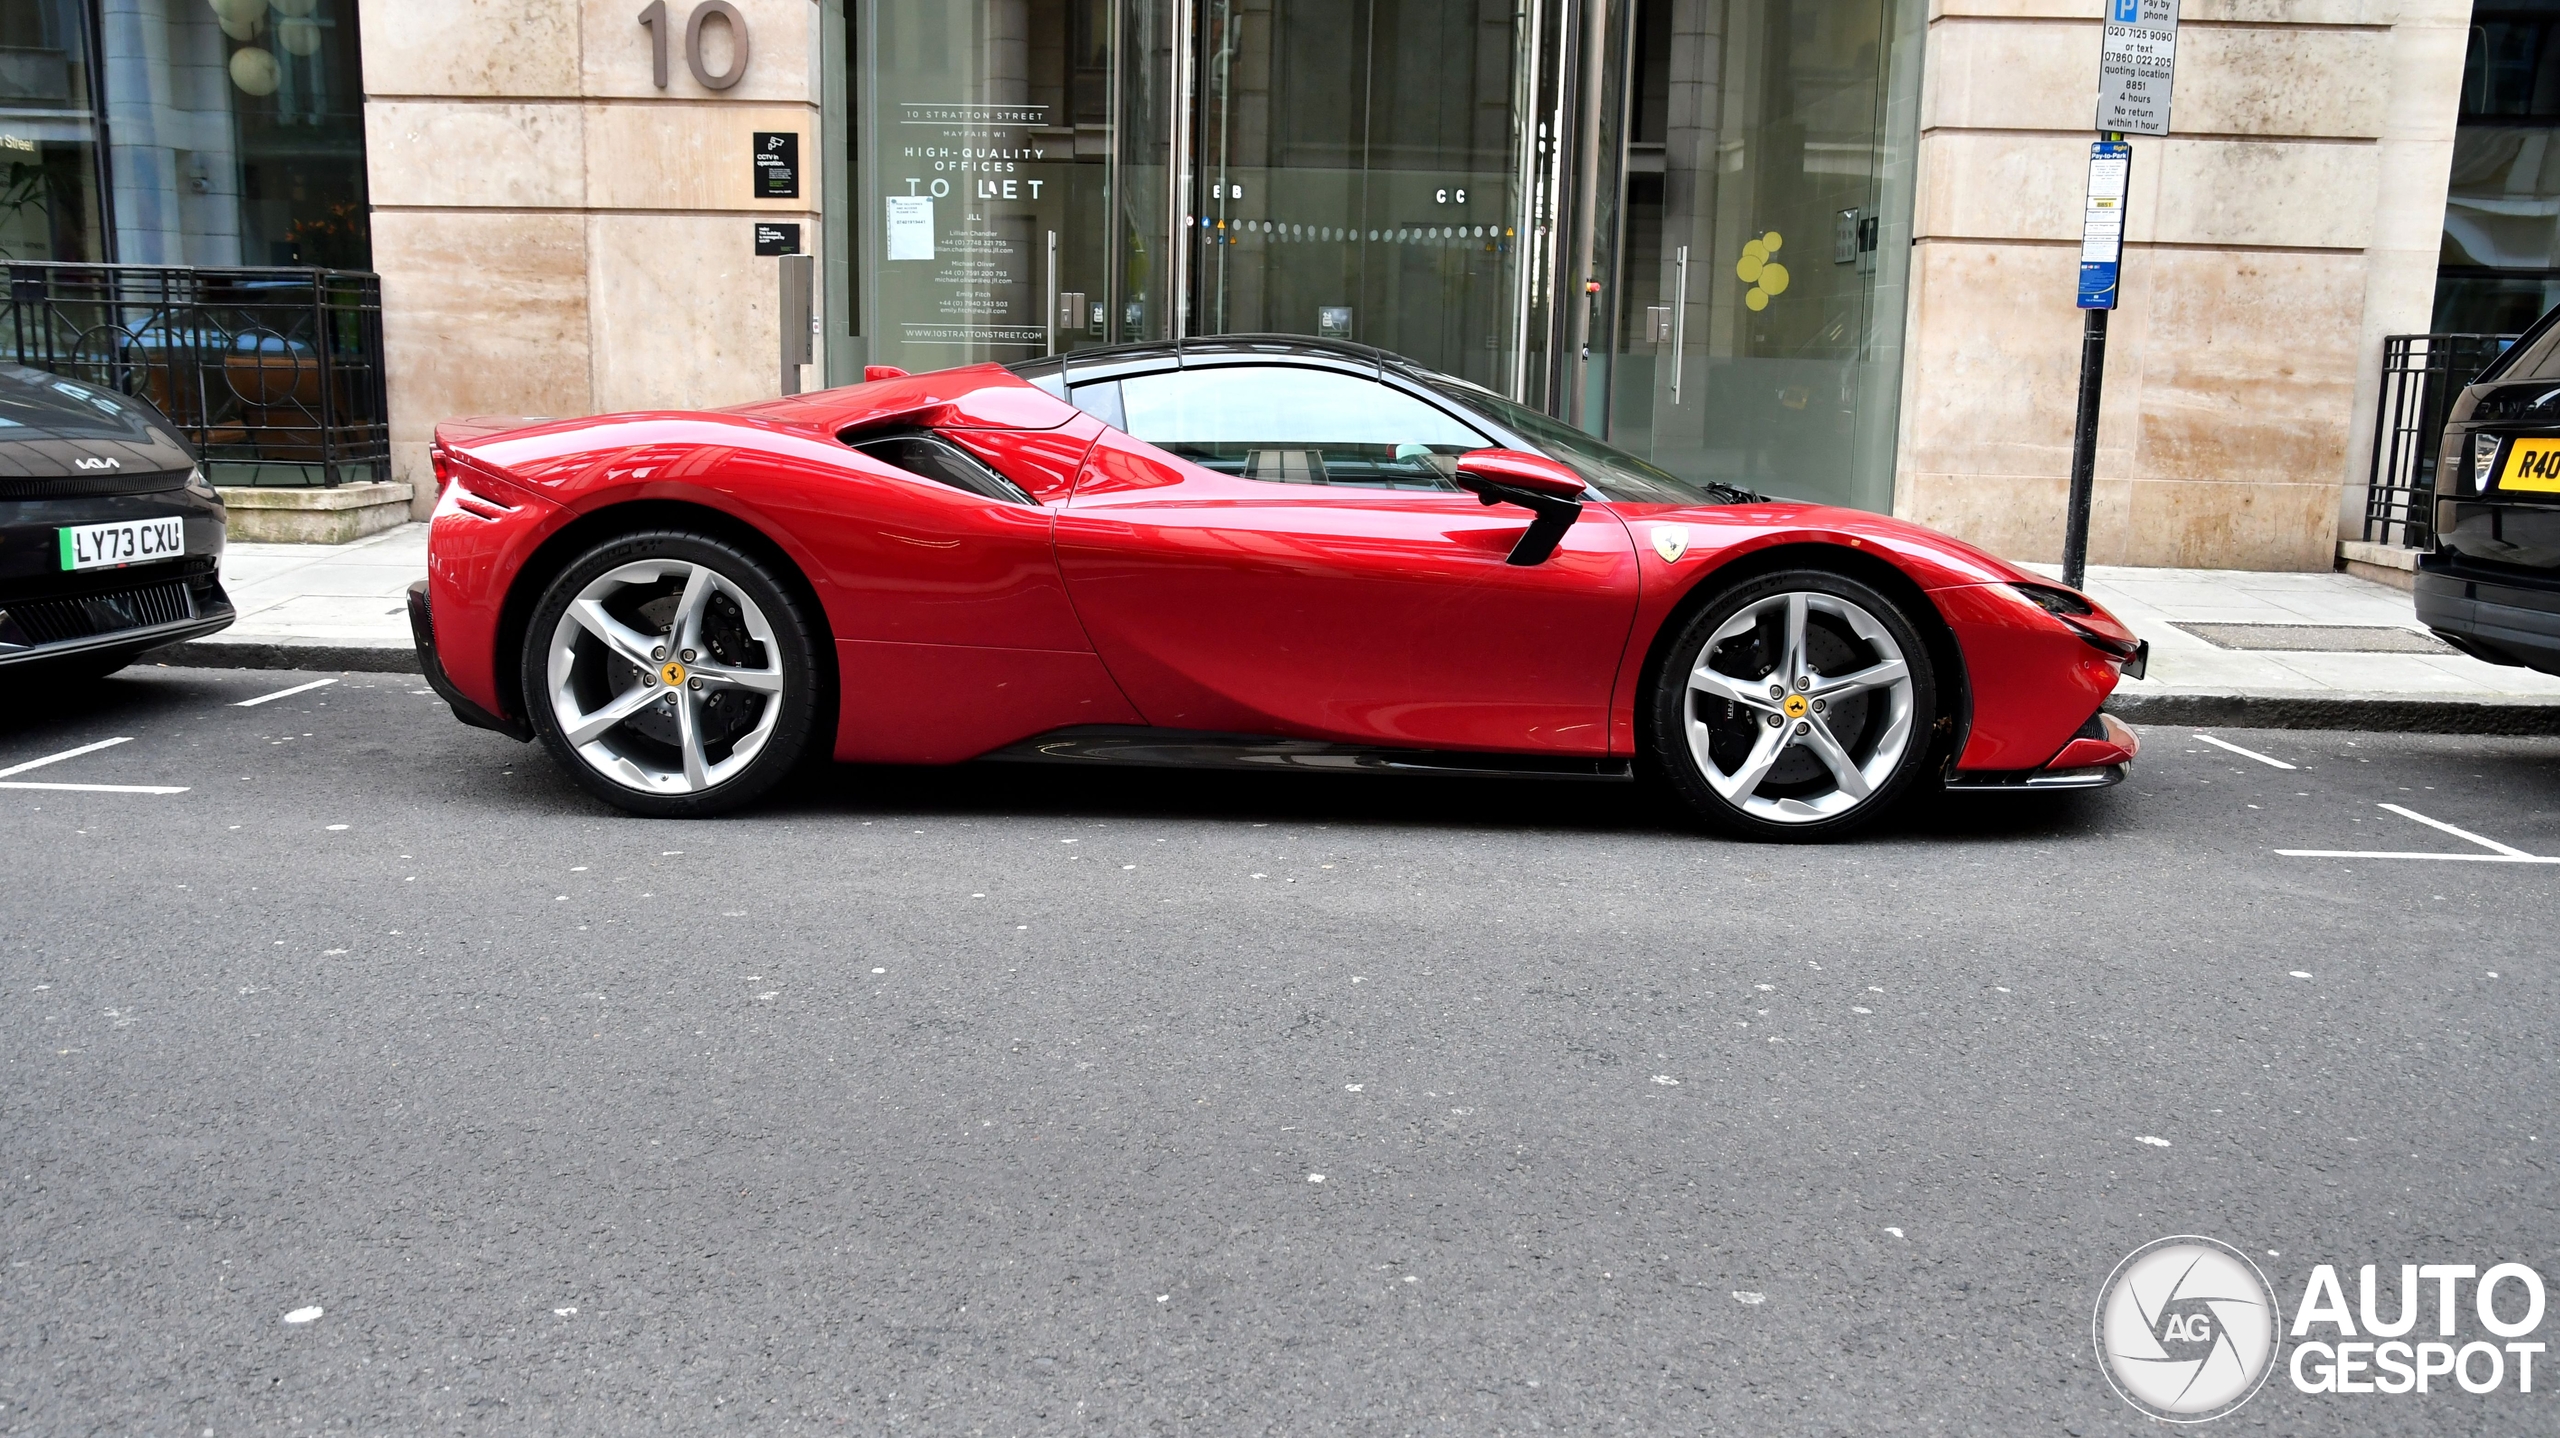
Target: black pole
(2084, 449)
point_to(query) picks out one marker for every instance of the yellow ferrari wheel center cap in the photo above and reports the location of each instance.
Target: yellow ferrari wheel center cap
(671, 674)
(1795, 705)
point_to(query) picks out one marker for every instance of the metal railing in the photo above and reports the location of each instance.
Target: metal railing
(274, 374)
(2422, 375)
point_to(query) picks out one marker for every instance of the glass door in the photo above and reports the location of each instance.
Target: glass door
(1760, 260)
(1358, 175)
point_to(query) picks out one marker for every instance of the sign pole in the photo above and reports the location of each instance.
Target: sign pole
(2101, 266)
(2137, 68)
(2084, 449)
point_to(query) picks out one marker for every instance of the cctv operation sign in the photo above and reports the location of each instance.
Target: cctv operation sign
(2137, 64)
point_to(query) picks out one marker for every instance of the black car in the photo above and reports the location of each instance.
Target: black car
(110, 538)
(2491, 588)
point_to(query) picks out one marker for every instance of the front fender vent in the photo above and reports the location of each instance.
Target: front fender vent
(927, 455)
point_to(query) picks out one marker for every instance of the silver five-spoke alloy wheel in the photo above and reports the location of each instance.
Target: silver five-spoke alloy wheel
(664, 676)
(1800, 706)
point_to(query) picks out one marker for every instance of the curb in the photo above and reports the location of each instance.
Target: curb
(2440, 715)
(236, 654)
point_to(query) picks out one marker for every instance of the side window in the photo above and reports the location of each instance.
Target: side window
(1297, 426)
(2541, 362)
(1102, 401)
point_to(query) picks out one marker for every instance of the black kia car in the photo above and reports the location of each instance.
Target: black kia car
(110, 538)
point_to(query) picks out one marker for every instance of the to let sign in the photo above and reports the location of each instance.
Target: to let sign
(2137, 63)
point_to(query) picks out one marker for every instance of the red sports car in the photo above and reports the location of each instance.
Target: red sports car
(1267, 551)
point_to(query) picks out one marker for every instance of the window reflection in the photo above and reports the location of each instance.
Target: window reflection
(1294, 426)
(48, 157)
(237, 132)
(1357, 163)
(2500, 266)
(1757, 336)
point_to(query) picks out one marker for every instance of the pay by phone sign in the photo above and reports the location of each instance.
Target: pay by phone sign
(2137, 66)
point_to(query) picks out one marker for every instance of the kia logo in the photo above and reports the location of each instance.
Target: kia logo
(97, 462)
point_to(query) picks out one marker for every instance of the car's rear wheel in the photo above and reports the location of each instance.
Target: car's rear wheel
(674, 674)
(1795, 705)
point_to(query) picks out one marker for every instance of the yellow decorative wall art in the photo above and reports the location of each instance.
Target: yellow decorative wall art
(1765, 275)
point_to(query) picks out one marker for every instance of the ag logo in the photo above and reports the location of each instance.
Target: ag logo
(2186, 1329)
(1671, 541)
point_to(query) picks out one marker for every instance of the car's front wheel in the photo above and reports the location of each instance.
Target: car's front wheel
(674, 674)
(1794, 705)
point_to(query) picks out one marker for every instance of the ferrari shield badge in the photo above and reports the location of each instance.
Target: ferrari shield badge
(1671, 541)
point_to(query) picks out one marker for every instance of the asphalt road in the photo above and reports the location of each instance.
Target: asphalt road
(1011, 1101)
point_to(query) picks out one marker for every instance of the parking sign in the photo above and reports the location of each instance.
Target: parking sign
(2137, 65)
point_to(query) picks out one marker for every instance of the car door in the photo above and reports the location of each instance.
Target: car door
(1277, 548)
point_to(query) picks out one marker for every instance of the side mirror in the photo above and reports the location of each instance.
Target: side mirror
(1535, 483)
(1518, 469)
(873, 373)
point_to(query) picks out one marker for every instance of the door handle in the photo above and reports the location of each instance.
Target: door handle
(1679, 315)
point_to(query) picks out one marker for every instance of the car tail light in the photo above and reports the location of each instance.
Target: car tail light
(454, 491)
(2484, 460)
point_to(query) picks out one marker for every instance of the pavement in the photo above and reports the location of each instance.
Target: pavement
(343, 607)
(317, 606)
(359, 1073)
(2193, 679)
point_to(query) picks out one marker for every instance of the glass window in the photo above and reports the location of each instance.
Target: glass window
(1102, 401)
(48, 131)
(2499, 265)
(1615, 473)
(237, 133)
(1751, 317)
(1297, 426)
(1358, 172)
(2538, 359)
(1008, 150)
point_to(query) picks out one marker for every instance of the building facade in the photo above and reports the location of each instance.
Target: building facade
(1821, 248)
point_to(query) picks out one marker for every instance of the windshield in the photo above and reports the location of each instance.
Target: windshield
(1617, 474)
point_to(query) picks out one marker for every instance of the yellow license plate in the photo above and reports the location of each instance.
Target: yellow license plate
(2532, 464)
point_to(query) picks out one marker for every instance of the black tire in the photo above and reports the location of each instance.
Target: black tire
(1882, 735)
(653, 762)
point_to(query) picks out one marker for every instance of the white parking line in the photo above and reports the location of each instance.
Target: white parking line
(65, 754)
(2244, 753)
(2512, 853)
(102, 788)
(83, 788)
(283, 693)
(2504, 853)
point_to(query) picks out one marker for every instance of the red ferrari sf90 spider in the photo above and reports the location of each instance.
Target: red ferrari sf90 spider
(1266, 551)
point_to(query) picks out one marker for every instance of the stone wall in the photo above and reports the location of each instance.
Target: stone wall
(2289, 223)
(557, 235)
